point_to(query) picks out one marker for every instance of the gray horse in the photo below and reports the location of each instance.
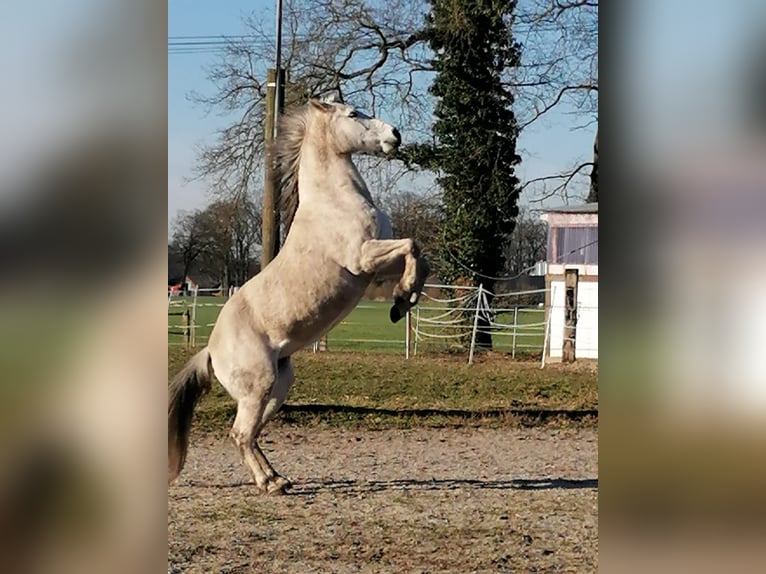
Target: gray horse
(338, 243)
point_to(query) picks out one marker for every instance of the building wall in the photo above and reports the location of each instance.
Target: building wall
(586, 345)
(556, 325)
(573, 244)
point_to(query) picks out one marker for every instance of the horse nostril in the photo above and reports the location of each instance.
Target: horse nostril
(398, 136)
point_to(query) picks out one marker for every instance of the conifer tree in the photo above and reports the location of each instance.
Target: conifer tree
(475, 136)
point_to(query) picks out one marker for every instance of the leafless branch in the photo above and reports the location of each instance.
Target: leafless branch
(559, 59)
(546, 107)
(372, 53)
(563, 182)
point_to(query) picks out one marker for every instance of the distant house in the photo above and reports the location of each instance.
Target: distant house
(186, 285)
(572, 281)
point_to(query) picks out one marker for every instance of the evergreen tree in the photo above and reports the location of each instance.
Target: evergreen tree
(475, 136)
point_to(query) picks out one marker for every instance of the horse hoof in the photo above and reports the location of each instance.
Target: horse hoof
(278, 486)
(396, 314)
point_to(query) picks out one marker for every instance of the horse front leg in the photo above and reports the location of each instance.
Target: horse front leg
(397, 258)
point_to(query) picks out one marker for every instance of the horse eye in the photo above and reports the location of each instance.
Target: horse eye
(353, 114)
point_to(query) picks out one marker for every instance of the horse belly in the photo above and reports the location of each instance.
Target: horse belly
(323, 317)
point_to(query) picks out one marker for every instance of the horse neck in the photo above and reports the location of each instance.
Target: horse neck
(326, 175)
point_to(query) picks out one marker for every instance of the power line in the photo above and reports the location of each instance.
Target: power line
(209, 36)
(523, 271)
(207, 44)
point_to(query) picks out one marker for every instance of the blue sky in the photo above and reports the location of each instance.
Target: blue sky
(548, 147)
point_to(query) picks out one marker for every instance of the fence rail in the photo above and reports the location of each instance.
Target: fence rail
(448, 318)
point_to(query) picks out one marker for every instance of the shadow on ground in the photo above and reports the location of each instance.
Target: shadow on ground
(437, 484)
(537, 415)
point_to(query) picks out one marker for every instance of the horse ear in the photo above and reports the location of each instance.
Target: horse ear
(333, 98)
(319, 105)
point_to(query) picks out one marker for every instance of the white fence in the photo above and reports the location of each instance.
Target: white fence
(453, 319)
(473, 311)
(189, 306)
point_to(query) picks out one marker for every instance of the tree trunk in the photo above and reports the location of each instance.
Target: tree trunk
(187, 270)
(225, 275)
(483, 327)
(593, 195)
(483, 335)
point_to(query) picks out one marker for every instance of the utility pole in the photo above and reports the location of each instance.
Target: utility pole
(270, 240)
(275, 90)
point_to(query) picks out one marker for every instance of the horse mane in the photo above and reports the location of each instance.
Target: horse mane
(287, 158)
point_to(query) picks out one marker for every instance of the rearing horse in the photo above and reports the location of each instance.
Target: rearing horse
(338, 243)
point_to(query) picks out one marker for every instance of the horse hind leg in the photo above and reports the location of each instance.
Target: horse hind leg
(279, 392)
(253, 412)
(243, 433)
(285, 380)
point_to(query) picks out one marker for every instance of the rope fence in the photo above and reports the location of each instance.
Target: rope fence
(448, 318)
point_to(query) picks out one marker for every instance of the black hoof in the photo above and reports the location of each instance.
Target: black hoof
(396, 314)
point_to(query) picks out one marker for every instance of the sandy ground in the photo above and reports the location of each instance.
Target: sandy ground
(421, 501)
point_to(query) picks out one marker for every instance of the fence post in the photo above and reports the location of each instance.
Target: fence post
(320, 344)
(570, 315)
(417, 323)
(515, 328)
(475, 324)
(185, 325)
(407, 328)
(193, 325)
(547, 326)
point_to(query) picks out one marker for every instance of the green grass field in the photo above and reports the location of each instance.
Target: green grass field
(368, 328)
(381, 390)
(364, 379)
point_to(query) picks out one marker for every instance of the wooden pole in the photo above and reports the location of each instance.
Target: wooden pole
(270, 237)
(193, 324)
(279, 108)
(570, 315)
(186, 331)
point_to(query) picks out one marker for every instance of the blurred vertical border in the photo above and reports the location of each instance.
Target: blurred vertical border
(682, 430)
(83, 201)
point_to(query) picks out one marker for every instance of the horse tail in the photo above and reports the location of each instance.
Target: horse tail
(184, 391)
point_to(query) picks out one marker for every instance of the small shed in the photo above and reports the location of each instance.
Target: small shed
(572, 282)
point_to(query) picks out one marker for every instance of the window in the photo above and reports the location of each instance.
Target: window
(576, 245)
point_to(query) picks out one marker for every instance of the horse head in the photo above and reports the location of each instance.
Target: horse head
(352, 131)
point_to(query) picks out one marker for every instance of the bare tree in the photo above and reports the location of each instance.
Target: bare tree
(232, 228)
(246, 226)
(420, 216)
(559, 71)
(375, 55)
(370, 52)
(527, 244)
(189, 241)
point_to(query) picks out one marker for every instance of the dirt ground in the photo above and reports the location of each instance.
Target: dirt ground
(421, 501)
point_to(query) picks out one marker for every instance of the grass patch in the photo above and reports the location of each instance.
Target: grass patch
(384, 391)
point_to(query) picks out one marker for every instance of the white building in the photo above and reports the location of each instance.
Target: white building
(572, 251)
